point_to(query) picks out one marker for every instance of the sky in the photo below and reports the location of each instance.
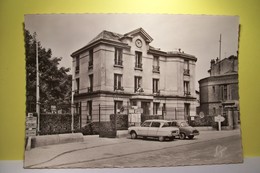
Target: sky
(197, 35)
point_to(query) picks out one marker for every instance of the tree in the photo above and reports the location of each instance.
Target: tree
(55, 82)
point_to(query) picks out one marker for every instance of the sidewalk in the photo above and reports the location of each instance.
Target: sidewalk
(49, 153)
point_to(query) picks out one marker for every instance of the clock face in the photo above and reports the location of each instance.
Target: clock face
(138, 43)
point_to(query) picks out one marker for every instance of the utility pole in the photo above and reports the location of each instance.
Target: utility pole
(72, 101)
(37, 87)
(220, 47)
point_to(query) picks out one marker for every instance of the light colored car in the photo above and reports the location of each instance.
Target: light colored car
(161, 129)
(185, 129)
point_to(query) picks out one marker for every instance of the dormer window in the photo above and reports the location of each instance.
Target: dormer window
(118, 57)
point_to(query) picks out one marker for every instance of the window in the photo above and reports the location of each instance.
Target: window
(186, 67)
(138, 84)
(155, 124)
(77, 65)
(225, 92)
(90, 63)
(138, 59)
(156, 108)
(156, 67)
(118, 107)
(186, 110)
(155, 85)
(146, 124)
(186, 88)
(90, 88)
(118, 82)
(214, 111)
(118, 56)
(77, 108)
(213, 88)
(89, 111)
(77, 86)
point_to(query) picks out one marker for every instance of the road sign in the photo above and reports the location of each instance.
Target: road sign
(30, 132)
(219, 119)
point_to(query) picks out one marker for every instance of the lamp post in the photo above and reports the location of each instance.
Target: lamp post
(37, 88)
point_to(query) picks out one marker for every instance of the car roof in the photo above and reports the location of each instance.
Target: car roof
(178, 121)
(157, 120)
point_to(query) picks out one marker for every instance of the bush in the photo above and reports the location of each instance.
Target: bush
(57, 123)
(205, 121)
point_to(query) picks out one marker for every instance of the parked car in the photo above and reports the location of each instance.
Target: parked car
(161, 129)
(185, 129)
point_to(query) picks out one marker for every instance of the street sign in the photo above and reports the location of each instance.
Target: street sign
(219, 119)
(131, 111)
(30, 132)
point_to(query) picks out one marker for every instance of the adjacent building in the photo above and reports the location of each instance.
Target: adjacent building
(118, 71)
(219, 91)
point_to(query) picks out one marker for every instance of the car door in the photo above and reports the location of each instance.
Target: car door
(143, 130)
(154, 128)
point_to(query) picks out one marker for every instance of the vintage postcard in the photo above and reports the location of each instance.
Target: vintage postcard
(131, 90)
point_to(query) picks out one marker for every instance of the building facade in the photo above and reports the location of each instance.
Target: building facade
(219, 92)
(119, 71)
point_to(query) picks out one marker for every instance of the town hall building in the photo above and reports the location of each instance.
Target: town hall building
(118, 71)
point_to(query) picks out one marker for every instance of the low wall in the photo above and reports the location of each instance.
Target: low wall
(39, 141)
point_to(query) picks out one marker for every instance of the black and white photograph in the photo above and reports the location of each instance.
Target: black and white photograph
(131, 90)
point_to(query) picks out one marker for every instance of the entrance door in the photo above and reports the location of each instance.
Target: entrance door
(145, 106)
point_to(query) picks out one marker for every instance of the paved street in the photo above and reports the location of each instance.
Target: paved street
(208, 147)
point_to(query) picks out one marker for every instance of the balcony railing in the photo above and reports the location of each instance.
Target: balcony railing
(156, 69)
(90, 89)
(77, 69)
(90, 64)
(138, 65)
(119, 63)
(186, 72)
(156, 92)
(119, 88)
(186, 93)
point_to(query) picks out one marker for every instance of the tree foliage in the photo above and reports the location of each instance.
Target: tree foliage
(55, 82)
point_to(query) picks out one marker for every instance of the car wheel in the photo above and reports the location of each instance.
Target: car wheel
(161, 138)
(191, 137)
(182, 136)
(133, 135)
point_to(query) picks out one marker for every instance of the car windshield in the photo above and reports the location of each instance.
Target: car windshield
(166, 124)
(184, 124)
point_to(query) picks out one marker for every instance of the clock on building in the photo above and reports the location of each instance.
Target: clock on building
(138, 43)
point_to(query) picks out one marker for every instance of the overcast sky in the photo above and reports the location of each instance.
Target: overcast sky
(194, 34)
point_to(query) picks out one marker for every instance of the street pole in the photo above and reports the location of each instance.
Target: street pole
(72, 101)
(37, 87)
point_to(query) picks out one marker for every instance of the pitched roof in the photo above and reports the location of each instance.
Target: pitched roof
(108, 35)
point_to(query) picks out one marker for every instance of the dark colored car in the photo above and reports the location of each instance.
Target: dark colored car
(185, 129)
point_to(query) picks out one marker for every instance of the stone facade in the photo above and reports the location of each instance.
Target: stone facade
(118, 71)
(219, 92)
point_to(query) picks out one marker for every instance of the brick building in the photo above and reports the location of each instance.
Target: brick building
(219, 92)
(121, 70)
